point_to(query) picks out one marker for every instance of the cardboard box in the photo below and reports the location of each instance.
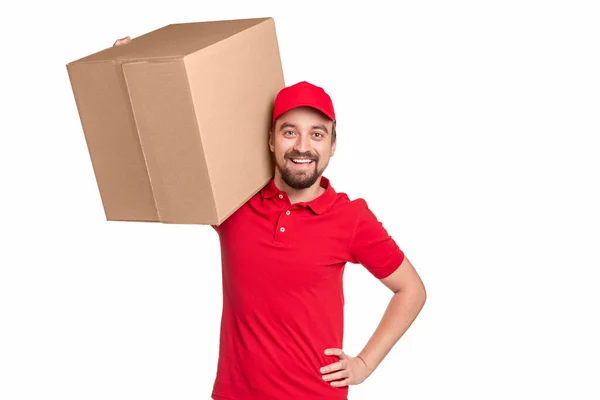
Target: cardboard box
(176, 121)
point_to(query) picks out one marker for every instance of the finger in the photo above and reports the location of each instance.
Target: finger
(332, 367)
(335, 352)
(337, 375)
(121, 41)
(344, 382)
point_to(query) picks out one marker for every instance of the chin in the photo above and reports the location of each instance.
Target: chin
(299, 181)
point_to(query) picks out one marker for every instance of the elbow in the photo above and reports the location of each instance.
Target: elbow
(423, 296)
(415, 294)
(420, 294)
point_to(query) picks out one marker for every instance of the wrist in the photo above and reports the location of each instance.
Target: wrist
(362, 358)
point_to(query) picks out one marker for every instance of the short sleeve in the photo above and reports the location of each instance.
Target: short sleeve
(373, 247)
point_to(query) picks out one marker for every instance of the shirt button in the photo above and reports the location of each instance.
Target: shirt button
(287, 212)
(282, 229)
(280, 196)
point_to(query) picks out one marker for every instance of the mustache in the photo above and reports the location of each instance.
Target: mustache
(297, 154)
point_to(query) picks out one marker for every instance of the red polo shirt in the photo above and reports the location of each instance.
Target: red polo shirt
(283, 296)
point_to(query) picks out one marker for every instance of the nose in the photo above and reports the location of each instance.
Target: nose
(302, 144)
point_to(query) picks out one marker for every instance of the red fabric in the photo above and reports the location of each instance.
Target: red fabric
(282, 291)
(303, 94)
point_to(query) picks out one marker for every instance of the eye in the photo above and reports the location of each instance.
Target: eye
(319, 134)
(287, 133)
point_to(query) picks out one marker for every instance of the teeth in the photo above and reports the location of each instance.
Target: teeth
(301, 161)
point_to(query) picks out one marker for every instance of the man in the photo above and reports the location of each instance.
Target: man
(283, 256)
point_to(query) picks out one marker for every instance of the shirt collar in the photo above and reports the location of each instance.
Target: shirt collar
(319, 205)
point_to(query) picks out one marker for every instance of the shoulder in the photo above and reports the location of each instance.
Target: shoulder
(358, 213)
(350, 207)
(241, 212)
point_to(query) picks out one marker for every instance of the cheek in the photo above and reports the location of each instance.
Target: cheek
(279, 152)
(281, 148)
(323, 151)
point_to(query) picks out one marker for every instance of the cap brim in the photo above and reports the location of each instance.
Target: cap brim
(301, 104)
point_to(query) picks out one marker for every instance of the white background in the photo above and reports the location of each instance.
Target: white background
(470, 127)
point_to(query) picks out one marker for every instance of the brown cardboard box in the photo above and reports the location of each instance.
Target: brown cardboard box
(177, 121)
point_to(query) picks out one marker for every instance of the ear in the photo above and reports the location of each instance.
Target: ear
(271, 142)
(333, 148)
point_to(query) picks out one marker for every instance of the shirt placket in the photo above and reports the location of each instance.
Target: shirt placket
(282, 226)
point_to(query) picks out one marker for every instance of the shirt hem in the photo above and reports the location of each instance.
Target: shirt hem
(218, 396)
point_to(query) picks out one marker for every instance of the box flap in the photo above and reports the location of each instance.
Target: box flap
(112, 139)
(172, 146)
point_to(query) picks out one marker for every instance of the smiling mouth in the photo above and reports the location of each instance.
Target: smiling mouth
(301, 161)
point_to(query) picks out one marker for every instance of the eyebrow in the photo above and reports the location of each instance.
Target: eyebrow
(288, 125)
(322, 127)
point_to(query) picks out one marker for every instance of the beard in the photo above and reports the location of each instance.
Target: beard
(300, 179)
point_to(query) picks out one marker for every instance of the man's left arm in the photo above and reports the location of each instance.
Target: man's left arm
(406, 303)
(374, 248)
(408, 299)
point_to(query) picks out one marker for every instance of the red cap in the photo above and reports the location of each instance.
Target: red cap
(303, 94)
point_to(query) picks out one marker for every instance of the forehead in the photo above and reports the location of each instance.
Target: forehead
(304, 117)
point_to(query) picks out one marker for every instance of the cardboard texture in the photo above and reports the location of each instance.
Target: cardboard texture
(176, 121)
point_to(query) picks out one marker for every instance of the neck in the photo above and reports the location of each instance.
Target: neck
(299, 195)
